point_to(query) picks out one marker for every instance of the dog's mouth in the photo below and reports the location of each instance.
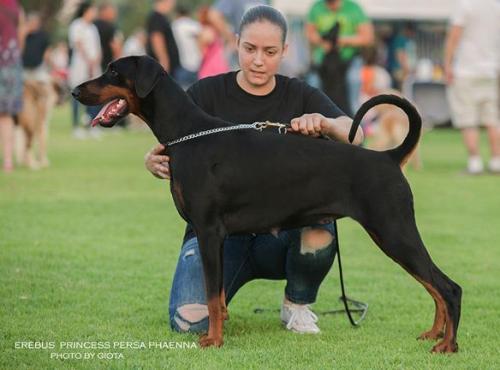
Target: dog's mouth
(111, 113)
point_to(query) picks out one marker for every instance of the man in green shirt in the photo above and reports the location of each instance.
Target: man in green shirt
(356, 31)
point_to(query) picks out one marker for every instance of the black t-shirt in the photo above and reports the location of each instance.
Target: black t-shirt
(34, 48)
(158, 23)
(107, 32)
(221, 96)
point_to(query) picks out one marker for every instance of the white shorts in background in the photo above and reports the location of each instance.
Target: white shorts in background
(474, 102)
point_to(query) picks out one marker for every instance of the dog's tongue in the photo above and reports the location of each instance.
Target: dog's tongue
(101, 116)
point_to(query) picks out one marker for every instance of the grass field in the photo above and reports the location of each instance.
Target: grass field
(88, 248)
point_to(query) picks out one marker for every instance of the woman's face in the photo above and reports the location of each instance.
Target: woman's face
(260, 50)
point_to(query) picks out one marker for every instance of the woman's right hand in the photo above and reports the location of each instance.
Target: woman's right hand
(156, 163)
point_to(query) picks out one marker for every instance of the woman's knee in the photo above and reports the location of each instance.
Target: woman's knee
(313, 240)
(189, 318)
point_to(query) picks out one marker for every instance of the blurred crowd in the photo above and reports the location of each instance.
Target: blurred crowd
(350, 60)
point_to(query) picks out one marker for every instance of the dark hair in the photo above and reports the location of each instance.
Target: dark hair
(182, 10)
(261, 13)
(82, 8)
(105, 5)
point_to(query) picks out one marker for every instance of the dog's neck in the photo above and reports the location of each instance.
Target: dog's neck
(171, 114)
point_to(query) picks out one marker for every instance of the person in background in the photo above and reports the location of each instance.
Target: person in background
(161, 43)
(375, 80)
(11, 80)
(59, 61)
(135, 43)
(212, 48)
(356, 31)
(225, 17)
(111, 39)
(36, 59)
(471, 64)
(186, 33)
(405, 54)
(85, 61)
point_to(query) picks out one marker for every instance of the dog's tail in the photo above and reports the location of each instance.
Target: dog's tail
(401, 153)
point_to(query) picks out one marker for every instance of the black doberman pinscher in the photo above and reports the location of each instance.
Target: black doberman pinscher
(249, 181)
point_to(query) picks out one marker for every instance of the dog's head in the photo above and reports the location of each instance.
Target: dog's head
(120, 88)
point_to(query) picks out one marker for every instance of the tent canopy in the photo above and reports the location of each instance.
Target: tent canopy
(383, 9)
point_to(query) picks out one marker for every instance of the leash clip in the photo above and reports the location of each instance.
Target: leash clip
(259, 126)
(282, 128)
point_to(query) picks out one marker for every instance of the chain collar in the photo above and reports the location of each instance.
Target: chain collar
(259, 126)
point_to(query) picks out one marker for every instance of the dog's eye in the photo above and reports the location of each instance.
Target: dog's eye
(113, 72)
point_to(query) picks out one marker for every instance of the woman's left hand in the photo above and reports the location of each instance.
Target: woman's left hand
(313, 124)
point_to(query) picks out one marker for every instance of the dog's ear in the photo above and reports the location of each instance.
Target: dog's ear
(148, 75)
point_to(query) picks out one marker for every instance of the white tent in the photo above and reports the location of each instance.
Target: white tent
(383, 9)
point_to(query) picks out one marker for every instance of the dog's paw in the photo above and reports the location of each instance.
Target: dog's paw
(31, 163)
(445, 347)
(206, 341)
(431, 335)
(44, 163)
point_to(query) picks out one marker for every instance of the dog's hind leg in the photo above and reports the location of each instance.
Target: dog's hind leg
(211, 246)
(400, 240)
(43, 127)
(28, 158)
(42, 132)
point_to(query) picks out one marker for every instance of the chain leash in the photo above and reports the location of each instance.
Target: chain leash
(259, 126)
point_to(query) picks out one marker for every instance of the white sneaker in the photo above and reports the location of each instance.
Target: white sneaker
(475, 165)
(299, 318)
(79, 133)
(494, 165)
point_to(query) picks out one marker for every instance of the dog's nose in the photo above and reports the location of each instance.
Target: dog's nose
(76, 92)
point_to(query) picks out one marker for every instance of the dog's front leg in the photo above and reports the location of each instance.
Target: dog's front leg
(211, 247)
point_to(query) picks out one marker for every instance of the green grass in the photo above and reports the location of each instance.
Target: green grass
(88, 249)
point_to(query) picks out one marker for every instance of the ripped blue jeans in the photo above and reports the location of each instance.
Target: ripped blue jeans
(249, 257)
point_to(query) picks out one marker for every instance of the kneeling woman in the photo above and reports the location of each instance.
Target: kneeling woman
(301, 256)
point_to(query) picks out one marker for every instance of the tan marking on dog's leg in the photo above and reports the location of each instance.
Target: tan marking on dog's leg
(441, 318)
(225, 315)
(215, 326)
(437, 330)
